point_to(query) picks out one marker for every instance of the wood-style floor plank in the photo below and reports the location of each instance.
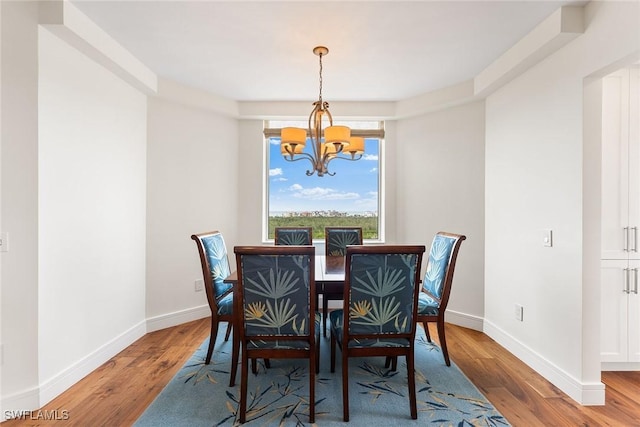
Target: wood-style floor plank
(119, 391)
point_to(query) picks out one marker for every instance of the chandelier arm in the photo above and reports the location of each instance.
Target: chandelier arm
(314, 129)
(351, 159)
(299, 156)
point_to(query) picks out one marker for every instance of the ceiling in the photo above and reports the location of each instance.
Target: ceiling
(262, 50)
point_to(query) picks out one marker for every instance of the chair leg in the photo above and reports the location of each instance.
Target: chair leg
(244, 374)
(212, 339)
(317, 356)
(425, 325)
(394, 363)
(443, 342)
(325, 310)
(254, 366)
(267, 363)
(235, 352)
(229, 327)
(333, 352)
(313, 368)
(345, 385)
(411, 375)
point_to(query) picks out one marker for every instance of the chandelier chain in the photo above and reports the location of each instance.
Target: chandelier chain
(320, 95)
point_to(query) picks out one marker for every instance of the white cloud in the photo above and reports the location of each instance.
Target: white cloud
(275, 172)
(319, 193)
(370, 157)
(372, 170)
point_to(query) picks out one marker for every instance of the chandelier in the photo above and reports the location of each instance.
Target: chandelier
(327, 143)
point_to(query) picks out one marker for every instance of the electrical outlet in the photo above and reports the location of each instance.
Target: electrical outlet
(547, 238)
(4, 242)
(199, 285)
(519, 312)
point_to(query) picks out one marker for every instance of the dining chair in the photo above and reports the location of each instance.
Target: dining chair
(215, 268)
(378, 315)
(436, 286)
(297, 236)
(276, 310)
(336, 241)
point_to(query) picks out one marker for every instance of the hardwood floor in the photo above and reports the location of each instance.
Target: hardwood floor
(120, 390)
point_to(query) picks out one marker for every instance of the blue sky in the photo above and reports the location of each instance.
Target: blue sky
(354, 187)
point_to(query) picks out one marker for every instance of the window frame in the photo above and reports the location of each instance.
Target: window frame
(368, 133)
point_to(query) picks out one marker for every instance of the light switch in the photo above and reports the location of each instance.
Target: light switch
(547, 238)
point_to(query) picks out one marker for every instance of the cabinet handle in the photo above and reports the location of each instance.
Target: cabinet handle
(626, 239)
(635, 239)
(626, 280)
(635, 281)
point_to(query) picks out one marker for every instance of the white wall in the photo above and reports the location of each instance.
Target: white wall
(73, 202)
(91, 209)
(19, 204)
(192, 187)
(534, 181)
(440, 187)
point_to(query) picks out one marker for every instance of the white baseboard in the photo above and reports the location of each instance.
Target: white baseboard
(14, 405)
(583, 393)
(177, 318)
(37, 397)
(620, 366)
(465, 320)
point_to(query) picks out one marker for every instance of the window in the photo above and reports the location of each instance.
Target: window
(351, 197)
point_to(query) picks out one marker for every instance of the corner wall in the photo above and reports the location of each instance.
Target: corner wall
(191, 188)
(534, 181)
(440, 187)
(73, 190)
(91, 214)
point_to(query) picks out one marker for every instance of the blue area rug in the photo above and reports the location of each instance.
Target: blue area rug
(199, 394)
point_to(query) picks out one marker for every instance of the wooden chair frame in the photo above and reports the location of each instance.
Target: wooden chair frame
(213, 304)
(389, 352)
(277, 231)
(311, 353)
(326, 296)
(444, 300)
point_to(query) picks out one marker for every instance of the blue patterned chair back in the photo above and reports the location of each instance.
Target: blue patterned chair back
(296, 236)
(383, 284)
(337, 239)
(434, 282)
(276, 293)
(216, 254)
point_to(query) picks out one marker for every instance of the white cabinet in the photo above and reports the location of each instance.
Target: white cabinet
(620, 301)
(620, 165)
(620, 311)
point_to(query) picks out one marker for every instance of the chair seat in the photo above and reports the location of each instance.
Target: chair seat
(427, 306)
(335, 319)
(225, 305)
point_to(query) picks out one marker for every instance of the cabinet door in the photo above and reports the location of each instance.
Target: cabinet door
(615, 165)
(633, 134)
(613, 311)
(633, 309)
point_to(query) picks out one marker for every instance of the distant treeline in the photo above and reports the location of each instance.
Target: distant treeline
(369, 224)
